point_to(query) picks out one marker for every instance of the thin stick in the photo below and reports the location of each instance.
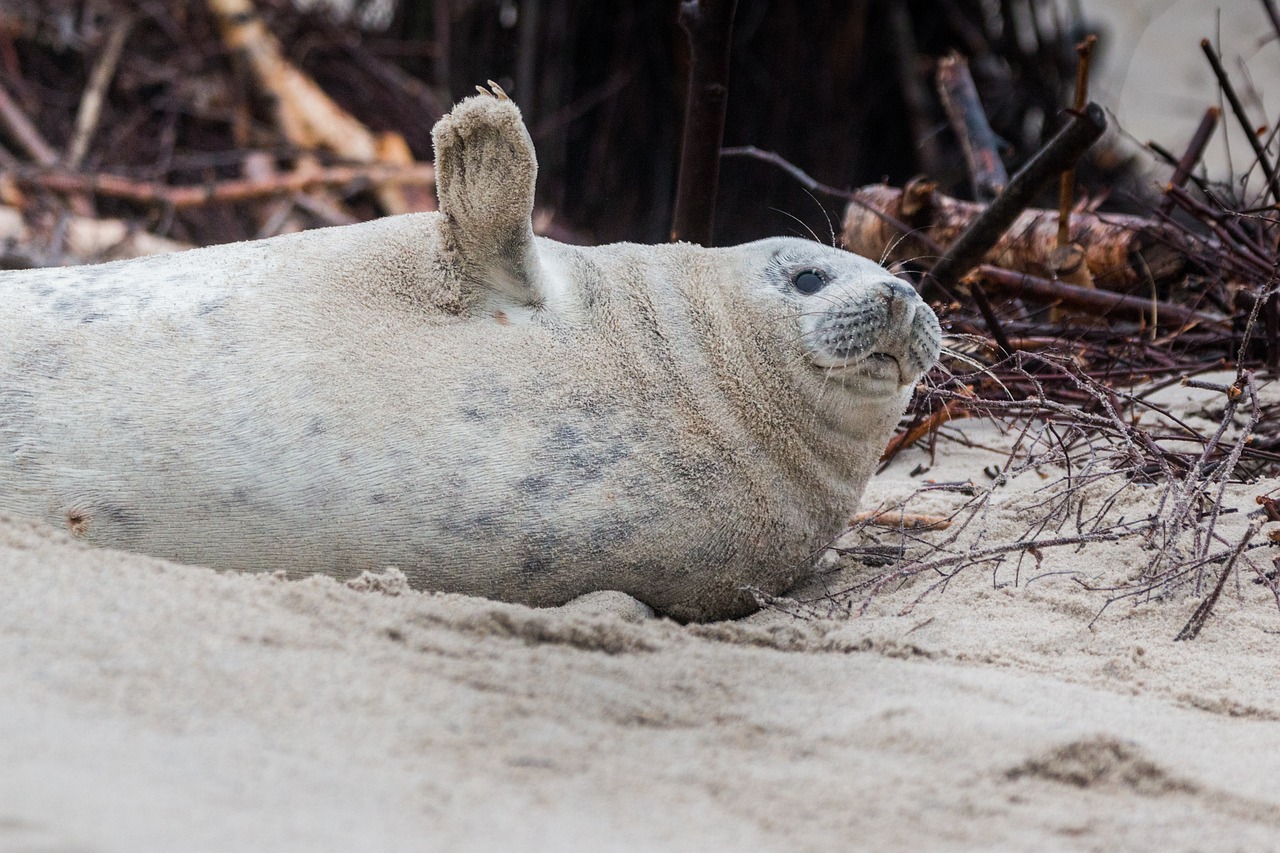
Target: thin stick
(1195, 151)
(1201, 615)
(1167, 156)
(989, 317)
(90, 110)
(1067, 185)
(1060, 151)
(709, 24)
(901, 520)
(930, 424)
(1273, 183)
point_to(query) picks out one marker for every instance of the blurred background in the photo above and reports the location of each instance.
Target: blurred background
(841, 88)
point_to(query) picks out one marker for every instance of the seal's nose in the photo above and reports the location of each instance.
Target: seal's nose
(898, 289)
(901, 299)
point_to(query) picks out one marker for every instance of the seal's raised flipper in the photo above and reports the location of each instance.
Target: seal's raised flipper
(485, 174)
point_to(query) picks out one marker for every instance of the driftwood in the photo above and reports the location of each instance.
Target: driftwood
(895, 519)
(1124, 253)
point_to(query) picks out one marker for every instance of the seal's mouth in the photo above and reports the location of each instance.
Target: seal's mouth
(880, 366)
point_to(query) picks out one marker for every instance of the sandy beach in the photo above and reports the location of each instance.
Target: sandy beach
(151, 706)
(1037, 702)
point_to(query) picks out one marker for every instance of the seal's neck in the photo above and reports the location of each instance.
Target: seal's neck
(819, 435)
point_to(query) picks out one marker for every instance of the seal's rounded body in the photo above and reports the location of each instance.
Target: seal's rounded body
(494, 414)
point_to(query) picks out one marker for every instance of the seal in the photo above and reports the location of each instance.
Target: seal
(494, 413)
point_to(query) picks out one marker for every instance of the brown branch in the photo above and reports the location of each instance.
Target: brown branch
(709, 25)
(224, 192)
(901, 520)
(901, 441)
(1061, 151)
(989, 316)
(1085, 300)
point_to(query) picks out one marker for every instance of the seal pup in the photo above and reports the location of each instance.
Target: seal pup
(494, 413)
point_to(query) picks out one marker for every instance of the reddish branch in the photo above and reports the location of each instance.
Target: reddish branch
(950, 411)
(1067, 184)
(969, 122)
(224, 191)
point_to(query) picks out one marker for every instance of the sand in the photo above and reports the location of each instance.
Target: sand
(146, 706)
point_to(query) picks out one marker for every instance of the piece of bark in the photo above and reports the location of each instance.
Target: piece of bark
(1120, 250)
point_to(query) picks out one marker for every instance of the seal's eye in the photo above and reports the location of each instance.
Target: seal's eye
(808, 282)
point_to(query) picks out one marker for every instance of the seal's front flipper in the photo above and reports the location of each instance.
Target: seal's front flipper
(485, 173)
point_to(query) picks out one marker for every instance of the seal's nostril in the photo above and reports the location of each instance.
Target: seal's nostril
(898, 289)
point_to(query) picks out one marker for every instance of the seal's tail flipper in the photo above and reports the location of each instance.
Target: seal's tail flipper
(485, 174)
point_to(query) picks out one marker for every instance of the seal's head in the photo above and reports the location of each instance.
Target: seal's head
(855, 324)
